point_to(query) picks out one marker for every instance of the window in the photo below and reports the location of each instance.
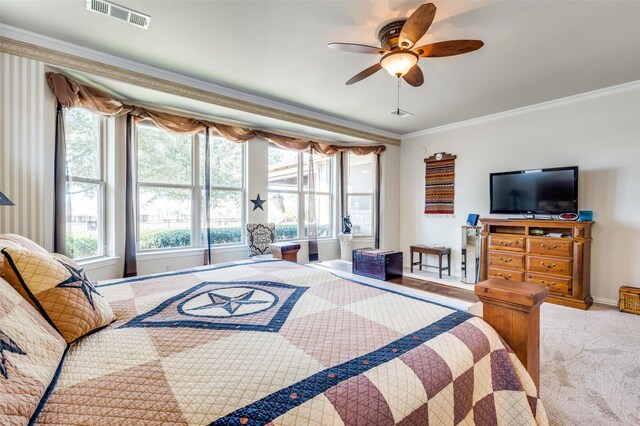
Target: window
(360, 191)
(171, 196)
(166, 188)
(227, 191)
(289, 193)
(322, 167)
(84, 137)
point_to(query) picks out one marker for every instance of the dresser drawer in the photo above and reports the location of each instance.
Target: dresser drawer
(550, 247)
(506, 274)
(507, 243)
(556, 285)
(506, 260)
(550, 265)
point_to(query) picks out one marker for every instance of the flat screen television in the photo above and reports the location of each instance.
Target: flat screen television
(541, 191)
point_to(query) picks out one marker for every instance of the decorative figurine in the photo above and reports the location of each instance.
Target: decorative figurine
(346, 224)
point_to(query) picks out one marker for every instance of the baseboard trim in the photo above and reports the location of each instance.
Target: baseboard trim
(605, 301)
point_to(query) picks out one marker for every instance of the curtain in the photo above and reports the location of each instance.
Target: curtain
(342, 193)
(60, 187)
(376, 236)
(130, 259)
(71, 93)
(312, 224)
(207, 191)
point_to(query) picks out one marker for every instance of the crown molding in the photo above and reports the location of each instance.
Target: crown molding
(624, 87)
(19, 42)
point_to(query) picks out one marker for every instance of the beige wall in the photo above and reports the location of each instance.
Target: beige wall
(27, 120)
(600, 133)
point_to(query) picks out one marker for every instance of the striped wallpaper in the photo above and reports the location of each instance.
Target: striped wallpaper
(26, 148)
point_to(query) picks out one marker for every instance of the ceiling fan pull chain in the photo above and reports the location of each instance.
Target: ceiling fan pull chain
(398, 103)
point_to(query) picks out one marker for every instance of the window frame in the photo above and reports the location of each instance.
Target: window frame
(101, 183)
(242, 189)
(301, 192)
(198, 220)
(139, 185)
(348, 194)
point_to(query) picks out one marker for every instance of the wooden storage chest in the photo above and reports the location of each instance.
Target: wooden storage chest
(630, 299)
(379, 264)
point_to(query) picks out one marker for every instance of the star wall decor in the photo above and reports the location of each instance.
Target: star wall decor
(7, 344)
(257, 203)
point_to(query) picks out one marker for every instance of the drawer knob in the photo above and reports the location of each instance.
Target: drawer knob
(506, 260)
(548, 284)
(551, 247)
(553, 265)
(506, 277)
(507, 243)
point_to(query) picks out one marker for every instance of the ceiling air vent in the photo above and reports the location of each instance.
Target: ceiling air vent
(120, 12)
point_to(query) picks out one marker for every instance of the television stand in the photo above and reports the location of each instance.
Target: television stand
(553, 253)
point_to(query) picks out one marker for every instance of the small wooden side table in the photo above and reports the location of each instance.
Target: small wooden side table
(285, 251)
(437, 251)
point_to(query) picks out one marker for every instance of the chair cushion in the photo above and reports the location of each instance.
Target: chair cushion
(17, 241)
(59, 288)
(30, 352)
(260, 236)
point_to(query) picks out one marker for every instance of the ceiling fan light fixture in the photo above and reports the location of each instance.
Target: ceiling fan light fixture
(398, 63)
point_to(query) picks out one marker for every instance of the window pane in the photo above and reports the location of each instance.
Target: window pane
(361, 212)
(226, 217)
(323, 216)
(283, 169)
(361, 173)
(283, 211)
(83, 137)
(84, 231)
(165, 217)
(163, 157)
(322, 172)
(226, 162)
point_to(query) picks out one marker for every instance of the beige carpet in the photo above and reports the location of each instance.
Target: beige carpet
(590, 366)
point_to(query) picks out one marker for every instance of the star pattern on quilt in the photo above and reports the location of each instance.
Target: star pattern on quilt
(78, 279)
(231, 303)
(7, 344)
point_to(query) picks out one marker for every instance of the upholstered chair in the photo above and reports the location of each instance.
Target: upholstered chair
(259, 237)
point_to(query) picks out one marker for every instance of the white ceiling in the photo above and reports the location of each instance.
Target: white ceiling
(534, 51)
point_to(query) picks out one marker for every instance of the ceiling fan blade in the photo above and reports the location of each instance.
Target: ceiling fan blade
(356, 48)
(448, 48)
(414, 76)
(364, 74)
(417, 25)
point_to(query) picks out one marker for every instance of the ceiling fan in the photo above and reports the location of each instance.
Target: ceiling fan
(399, 56)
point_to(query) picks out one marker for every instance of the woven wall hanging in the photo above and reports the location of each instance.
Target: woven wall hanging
(439, 184)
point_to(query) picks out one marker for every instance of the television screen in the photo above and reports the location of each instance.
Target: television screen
(542, 191)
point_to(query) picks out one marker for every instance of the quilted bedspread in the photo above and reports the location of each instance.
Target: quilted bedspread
(280, 343)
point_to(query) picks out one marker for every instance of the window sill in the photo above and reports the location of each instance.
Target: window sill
(188, 252)
(199, 251)
(97, 263)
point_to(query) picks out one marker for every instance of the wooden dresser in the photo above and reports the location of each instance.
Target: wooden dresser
(515, 250)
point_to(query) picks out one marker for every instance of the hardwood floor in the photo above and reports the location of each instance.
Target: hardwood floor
(431, 287)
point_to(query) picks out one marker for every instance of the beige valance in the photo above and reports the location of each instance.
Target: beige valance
(70, 93)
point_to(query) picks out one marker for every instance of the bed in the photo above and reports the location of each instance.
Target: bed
(274, 342)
